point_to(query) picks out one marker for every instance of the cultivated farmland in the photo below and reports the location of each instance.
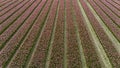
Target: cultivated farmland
(59, 34)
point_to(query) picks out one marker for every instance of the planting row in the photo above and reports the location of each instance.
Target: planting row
(5, 2)
(15, 41)
(8, 4)
(108, 12)
(105, 41)
(16, 11)
(113, 27)
(8, 29)
(9, 7)
(59, 34)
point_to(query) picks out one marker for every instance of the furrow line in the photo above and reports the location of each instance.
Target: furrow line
(108, 46)
(38, 56)
(4, 43)
(112, 26)
(57, 56)
(113, 5)
(90, 53)
(5, 2)
(2, 8)
(116, 2)
(5, 35)
(50, 44)
(6, 64)
(65, 37)
(106, 29)
(37, 39)
(7, 10)
(108, 15)
(100, 51)
(112, 10)
(30, 28)
(73, 56)
(15, 12)
(81, 52)
(25, 40)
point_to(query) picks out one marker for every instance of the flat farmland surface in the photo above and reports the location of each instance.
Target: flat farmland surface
(59, 34)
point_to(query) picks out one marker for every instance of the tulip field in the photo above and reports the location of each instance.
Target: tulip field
(59, 33)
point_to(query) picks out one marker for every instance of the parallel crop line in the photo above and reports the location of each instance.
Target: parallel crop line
(8, 5)
(81, 52)
(14, 13)
(98, 46)
(5, 3)
(10, 9)
(116, 2)
(106, 29)
(12, 56)
(37, 39)
(107, 15)
(4, 43)
(28, 32)
(50, 45)
(112, 5)
(109, 8)
(107, 25)
(65, 36)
